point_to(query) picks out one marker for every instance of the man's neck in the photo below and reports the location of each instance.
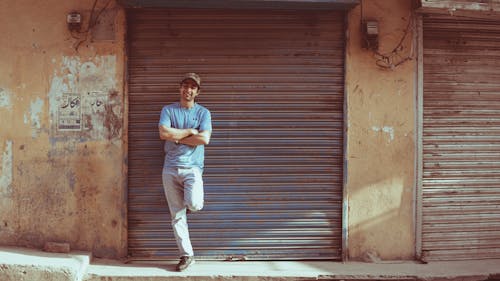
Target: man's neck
(187, 104)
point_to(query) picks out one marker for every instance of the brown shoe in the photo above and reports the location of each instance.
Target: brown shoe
(185, 263)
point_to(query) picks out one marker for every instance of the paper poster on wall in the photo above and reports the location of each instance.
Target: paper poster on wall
(69, 112)
(93, 109)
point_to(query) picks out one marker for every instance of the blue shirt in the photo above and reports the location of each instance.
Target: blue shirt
(175, 116)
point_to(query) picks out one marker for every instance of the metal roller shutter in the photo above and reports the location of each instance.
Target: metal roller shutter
(461, 139)
(273, 81)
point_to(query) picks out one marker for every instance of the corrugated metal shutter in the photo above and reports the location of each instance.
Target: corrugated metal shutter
(273, 178)
(461, 139)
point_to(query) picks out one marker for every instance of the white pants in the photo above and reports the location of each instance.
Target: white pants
(184, 189)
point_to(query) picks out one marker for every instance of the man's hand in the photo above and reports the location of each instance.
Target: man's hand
(193, 132)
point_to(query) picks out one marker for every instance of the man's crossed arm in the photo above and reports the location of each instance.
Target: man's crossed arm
(190, 137)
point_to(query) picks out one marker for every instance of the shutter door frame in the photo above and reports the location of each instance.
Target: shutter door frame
(244, 4)
(457, 146)
(255, 77)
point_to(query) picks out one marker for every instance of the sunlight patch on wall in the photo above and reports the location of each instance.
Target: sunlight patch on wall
(376, 201)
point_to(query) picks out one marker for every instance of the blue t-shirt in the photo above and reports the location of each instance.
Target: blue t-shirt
(175, 116)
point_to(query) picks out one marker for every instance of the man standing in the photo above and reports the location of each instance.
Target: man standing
(186, 128)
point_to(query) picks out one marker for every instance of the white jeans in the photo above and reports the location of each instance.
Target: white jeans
(184, 189)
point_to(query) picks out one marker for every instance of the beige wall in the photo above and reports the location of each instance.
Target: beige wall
(55, 185)
(380, 151)
(69, 186)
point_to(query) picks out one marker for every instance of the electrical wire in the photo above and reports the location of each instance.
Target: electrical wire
(91, 24)
(394, 58)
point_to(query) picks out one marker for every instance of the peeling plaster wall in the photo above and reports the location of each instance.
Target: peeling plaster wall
(380, 153)
(59, 184)
(6, 171)
(5, 99)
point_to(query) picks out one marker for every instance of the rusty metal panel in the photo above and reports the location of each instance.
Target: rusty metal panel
(273, 178)
(461, 139)
(481, 5)
(489, 9)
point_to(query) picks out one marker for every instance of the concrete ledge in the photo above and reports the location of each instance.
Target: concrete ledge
(19, 264)
(297, 271)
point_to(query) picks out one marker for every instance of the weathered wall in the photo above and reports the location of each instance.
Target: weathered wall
(62, 127)
(380, 138)
(63, 180)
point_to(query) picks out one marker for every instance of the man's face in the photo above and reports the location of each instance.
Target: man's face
(189, 90)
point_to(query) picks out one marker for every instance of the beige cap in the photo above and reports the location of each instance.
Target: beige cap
(193, 76)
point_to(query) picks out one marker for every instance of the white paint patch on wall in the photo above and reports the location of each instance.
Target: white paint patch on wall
(70, 67)
(33, 117)
(5, 99)
(385, 129)
(74, 76)
(65, 83)
(6, 170)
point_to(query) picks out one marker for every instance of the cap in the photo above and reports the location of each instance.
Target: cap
(193, 76)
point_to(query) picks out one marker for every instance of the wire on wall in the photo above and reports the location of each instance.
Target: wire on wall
(76, 34)
(399, 54)
(397, 57)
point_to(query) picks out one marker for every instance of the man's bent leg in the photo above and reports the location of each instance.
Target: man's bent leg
(174, 192)
(193, 188)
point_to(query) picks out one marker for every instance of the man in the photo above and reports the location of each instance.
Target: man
(186, 128)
